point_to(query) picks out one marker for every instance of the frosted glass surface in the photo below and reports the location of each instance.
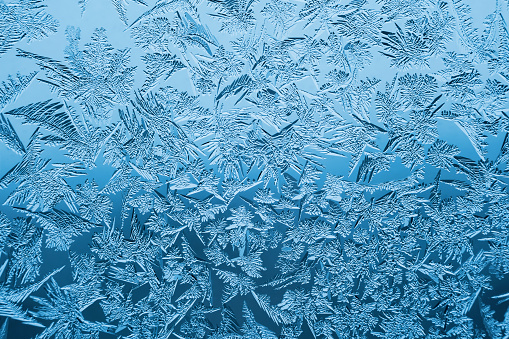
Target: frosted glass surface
(254, 169)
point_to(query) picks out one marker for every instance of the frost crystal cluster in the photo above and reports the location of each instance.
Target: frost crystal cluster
(255, 169)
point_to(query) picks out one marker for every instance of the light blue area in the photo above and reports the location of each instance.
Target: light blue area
(254, 169)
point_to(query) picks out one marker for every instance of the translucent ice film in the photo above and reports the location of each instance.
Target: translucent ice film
(258, 169)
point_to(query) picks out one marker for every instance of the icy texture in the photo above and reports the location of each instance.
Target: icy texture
(254, 169)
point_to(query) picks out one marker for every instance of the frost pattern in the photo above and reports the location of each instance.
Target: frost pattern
(254, 169)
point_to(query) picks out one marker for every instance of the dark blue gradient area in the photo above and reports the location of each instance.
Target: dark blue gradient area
(256, 169)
